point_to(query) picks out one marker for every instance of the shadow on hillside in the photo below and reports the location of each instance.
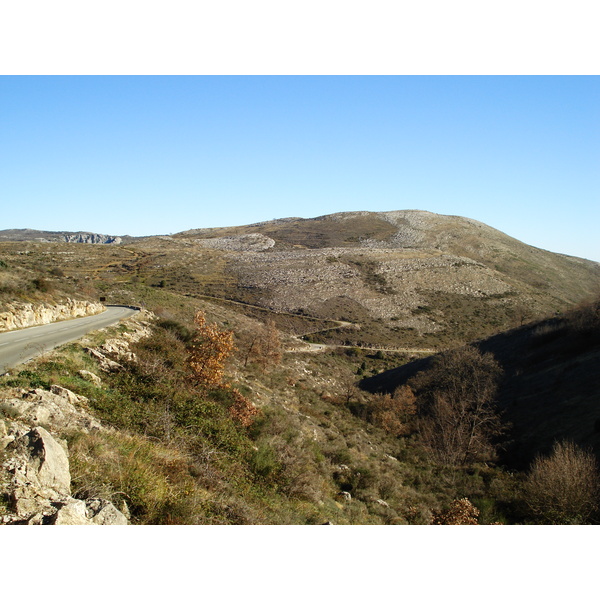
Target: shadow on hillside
(549, 390)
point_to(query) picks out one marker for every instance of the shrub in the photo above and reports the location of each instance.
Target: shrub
(394, 414)
(42, 285)
(180, 331)
(208, 351)
(461, 512)
(563, 488)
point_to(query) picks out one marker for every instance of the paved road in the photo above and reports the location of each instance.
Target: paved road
(20, 345)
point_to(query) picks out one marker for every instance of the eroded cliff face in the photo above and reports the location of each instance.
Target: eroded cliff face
(91, 238)
(20, 314)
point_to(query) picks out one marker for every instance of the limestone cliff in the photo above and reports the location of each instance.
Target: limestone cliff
(20, 314)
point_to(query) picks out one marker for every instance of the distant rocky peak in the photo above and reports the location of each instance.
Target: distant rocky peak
(91, 238)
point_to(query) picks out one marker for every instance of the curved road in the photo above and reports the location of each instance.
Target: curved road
(19, 345)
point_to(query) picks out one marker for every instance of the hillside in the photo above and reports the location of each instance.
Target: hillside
(404, 278)
(411, 278)
(283, 434)
(549, 390)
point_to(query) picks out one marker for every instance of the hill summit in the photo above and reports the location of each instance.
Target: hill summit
(406, 275)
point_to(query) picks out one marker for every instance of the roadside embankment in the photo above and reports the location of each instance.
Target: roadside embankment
(21, 314)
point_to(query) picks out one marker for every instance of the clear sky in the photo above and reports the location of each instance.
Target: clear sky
(158, 155)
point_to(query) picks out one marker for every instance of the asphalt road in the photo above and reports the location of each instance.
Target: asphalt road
(19, 345)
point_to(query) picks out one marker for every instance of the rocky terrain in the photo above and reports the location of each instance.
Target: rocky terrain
(369, 292)
(404, 278)
(407, 276)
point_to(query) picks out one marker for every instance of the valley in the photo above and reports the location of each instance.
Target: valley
(317, 414)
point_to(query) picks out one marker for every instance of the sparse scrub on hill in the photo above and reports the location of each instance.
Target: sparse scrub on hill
(263, 346)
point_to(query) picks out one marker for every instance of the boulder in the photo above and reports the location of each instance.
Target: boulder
(39, 486)
(40, 472)
(103, 512)
(107, 365)
(89, 512)
(71, 512)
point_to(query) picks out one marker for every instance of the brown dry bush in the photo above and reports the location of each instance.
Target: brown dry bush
(461, 512)
(208, 351)
(563, 488)
(394, 414)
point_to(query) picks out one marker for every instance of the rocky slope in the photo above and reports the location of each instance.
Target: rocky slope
(35, 477)
(405, 274)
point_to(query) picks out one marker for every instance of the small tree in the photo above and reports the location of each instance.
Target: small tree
(563, 488)
(208, 351)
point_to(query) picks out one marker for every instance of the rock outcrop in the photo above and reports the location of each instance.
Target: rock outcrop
(250, 242)
(58, 408)
(77, 237)
(37, 484)
(20, 315)
(91, 238)
(120, 347)
(35, 478)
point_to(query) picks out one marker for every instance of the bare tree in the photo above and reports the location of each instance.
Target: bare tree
(264, 347)
(458, 420)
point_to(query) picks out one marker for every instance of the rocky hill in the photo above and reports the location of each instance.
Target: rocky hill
(410, 277)
(402, 278)
(370, 290)
(79, 237)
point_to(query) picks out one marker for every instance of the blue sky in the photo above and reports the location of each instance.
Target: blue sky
(158, 155)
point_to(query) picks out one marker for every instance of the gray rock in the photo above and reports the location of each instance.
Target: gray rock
(103, 512)
(89, 376)
(89, 512)
(107, 365)
(55, 409)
